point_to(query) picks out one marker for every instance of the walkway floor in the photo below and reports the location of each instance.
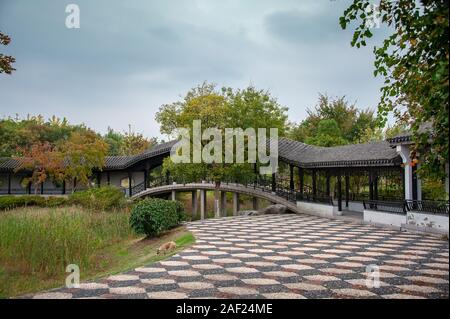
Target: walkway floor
(285, 256)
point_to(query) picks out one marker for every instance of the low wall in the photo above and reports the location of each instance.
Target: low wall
(385, 218)
(317, 209)
(428, 221)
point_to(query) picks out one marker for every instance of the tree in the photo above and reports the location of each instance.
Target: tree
(114, 140)
(134, 143)
(6, 61)
(351, 121)
(220, 109)
(127, 143)
(18, 134)
(83, 152)
(44, 161)
(413, 61)
(328, 134)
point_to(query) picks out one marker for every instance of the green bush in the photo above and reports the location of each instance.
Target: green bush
(154, 216)
(11, 202)
(100, 198)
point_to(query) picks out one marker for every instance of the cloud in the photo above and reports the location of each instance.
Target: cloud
(128, 58)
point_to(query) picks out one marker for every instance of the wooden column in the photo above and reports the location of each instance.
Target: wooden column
(130, 178)
(145, 178)
(370, 185)
(301, 176)
(375, 186)
(339, 191)
(108, 178)
(9, 183)
(42, 188)
(347, 189)
(274, 182)
(74, 184)
(328, 183)
(64, 187)
(314, 183)
(291, 177)
(29, 188)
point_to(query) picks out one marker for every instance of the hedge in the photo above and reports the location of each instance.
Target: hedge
(99, 198)
(154, 216)
(11, 202)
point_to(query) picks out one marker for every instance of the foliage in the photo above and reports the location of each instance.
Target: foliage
(99, 198)
(225, 108)
(11, 202)
(6, 61)
(44, 161)
(413, 61)
(128, 143)
(83, 152)
(351, 123)
(328, 134)
(154, 216)
(17, 135)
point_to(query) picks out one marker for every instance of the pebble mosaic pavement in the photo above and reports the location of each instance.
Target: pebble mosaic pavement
(284, 256)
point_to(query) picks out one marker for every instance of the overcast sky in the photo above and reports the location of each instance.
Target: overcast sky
(130, 57)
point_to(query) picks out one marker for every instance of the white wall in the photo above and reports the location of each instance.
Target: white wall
(317, 209)
(385, 218)
(421, 220)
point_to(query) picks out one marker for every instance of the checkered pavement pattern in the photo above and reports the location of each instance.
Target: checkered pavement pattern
(285, 256)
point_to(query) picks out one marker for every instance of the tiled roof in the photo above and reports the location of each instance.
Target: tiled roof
(122, 162)
(111, 162)
(300, 154)
(369, 154)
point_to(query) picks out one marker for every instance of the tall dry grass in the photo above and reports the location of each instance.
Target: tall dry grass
(46, 240)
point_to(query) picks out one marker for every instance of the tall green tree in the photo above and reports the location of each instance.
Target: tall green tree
(351, 122)
(328, 134)
(414, 62)
(220, 109)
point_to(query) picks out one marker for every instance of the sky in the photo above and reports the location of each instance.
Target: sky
(130, 57)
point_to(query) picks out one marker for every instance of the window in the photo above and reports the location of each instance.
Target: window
(124, 182)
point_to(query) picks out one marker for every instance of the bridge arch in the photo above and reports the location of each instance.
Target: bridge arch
(256, 192)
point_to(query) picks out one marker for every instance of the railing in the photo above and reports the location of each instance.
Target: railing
(261, 183)
(435, 207)
(402, 207)
(397, 207)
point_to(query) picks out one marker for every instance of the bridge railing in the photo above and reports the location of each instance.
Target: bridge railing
(262, 183)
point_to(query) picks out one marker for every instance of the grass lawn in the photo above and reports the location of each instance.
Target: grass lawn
(36, 245)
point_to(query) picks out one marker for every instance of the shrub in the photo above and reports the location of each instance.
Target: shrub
(101, 198)
(11, 202)
(154, 216)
